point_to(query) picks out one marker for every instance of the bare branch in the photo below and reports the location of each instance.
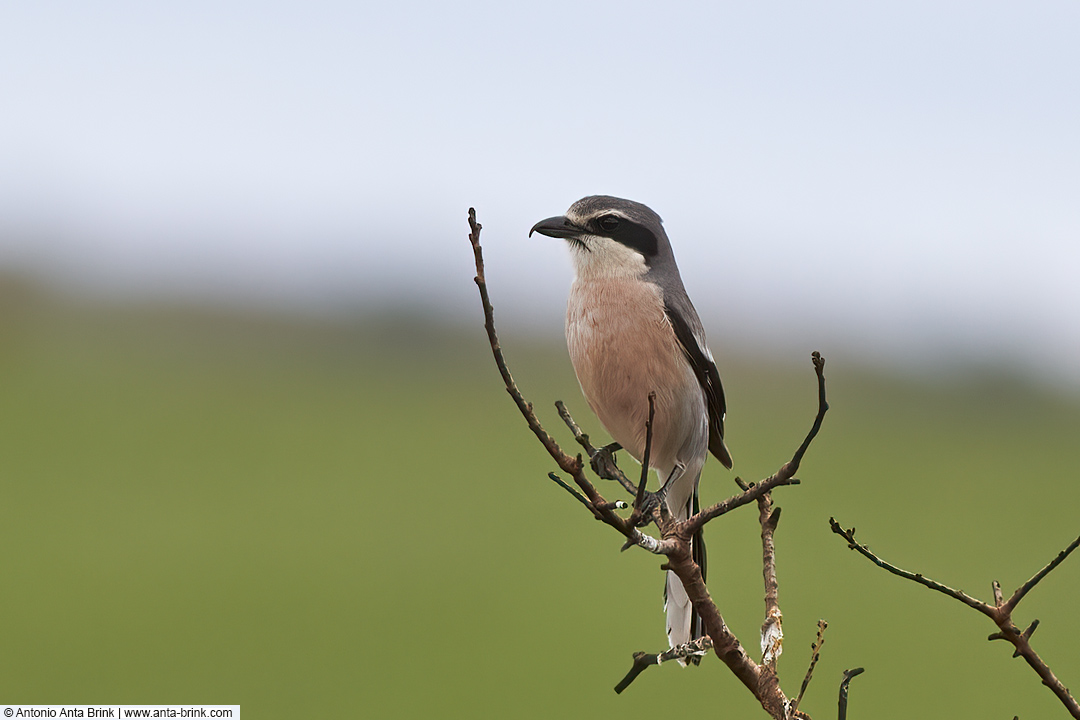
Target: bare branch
(570, 465)
(848, 675)
(1026, 635)
(1000, 613)
(785, 475)
(823, 407)
(580, 436)
(963, 597)
(1024, 650)
(1026, 587)
(736, 501)
(815, 655)
(725, 643)
(567, 463)
(577, 496)
(639, 498)
(643, 661)
(772, 631)
(600, 458)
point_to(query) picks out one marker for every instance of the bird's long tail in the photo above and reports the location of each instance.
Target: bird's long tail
(683, 622)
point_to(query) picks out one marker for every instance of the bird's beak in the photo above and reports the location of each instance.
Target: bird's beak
(557, 227)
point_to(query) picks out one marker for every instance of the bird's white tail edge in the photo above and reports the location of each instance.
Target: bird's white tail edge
(679, 611)
(677, 605)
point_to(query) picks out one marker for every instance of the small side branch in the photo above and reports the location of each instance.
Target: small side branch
(636, 518)
(772, 630)
(1026, 587)
(577, 496)
(815, 655)
(848, 675)
(736, 501)
(566, 462)
(863, 550)
(600, 458)
(785, 475)
(823, 407)
(644, 661)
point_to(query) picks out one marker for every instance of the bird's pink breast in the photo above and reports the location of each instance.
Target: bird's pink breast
(623, 347)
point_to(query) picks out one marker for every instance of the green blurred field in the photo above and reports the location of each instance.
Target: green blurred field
(312, 518)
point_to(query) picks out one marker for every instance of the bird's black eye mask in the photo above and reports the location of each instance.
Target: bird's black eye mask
(626, 232)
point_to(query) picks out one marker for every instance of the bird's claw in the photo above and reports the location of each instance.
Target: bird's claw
(602, 461)
(649, 503)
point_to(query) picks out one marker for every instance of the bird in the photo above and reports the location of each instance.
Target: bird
(631, 330)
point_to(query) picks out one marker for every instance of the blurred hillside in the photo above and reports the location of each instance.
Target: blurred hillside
(317, 514)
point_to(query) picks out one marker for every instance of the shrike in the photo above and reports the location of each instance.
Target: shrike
(631, 330)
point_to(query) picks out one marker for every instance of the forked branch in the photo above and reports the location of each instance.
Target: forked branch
(1000, 612)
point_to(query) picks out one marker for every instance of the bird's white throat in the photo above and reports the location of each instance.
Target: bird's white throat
(597, 258)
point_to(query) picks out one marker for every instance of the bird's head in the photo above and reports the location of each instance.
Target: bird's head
(609, 236)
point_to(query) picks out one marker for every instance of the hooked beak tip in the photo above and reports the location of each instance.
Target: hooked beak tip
(556, 227)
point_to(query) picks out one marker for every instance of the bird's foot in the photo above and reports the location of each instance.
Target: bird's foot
(651, 502)
(657, 501)
(603, 461)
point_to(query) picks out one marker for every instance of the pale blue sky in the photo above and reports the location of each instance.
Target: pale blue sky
(892, 179)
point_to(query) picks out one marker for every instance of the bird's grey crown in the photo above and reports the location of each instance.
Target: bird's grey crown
(593, 206)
